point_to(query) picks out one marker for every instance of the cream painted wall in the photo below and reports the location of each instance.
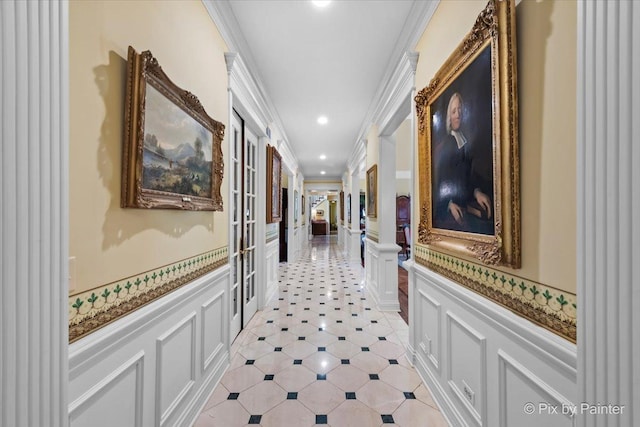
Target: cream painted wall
(546, 34)
(109, 242)
(403, 157)
(373, 149)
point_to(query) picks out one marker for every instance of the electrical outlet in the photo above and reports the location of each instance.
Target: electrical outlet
(72, 274)
(468, 393)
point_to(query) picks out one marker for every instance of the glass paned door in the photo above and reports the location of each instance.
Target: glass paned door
(243, 166)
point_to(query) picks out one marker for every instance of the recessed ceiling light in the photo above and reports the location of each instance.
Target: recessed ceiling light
(323, 120)
(321, 3)
(322, 172)
(322, 156)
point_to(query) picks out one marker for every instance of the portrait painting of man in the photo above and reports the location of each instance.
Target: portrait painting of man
(462, 151)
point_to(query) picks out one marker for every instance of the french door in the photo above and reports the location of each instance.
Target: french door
(244, 161)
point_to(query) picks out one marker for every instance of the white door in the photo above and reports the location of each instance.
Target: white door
(243, 224)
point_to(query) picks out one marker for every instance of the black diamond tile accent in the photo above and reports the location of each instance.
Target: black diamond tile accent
(337, 308)
(277, 349)
(320, 329)
(321, 377)
(250, 362)
(369, 309)
(255, 419)
(307, 309)
(374, 321)
(409, 395)
(305, 321)
(321, 419)
(387, 419)
(289, 314)
(297, 362)
(382, 338)
(341, 338)
(393, 362)
(345, 361)
(233, 396)
(322, 348)
(358, 329)
(338, 321)
(280, 299)
(284, 329)
(276, 309)
(292, 395)
(321, 303)
(261, 338)
(301, 338)
(365, 348)
(374, 377)
(268, 377)
(269, 321)
(354, 314)
(322, 314)
(350, 395)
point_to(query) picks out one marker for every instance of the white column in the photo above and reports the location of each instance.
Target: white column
(608, 165)
(353, 239)
(34, 213)
(386, 249)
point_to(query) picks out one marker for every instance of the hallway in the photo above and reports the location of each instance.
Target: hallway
(319, 353)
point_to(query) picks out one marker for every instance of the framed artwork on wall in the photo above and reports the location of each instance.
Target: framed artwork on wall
(468, 146)
(372, 192)
(342, 207)
(172, 154)
(274, 185)
(349, 208)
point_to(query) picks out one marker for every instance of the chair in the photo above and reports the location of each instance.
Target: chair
(407, 240)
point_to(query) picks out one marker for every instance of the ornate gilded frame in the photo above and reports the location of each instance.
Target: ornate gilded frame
(274, 185)
(493, 34)
(342, 206)
(141, 159)
(372, 191)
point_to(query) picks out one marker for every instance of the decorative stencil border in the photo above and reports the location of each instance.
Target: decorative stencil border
(551, 308)
(98, 307)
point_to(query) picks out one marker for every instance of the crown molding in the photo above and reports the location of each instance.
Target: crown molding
(419, 16)
(224, 19)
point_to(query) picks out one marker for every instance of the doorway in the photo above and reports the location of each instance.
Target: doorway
(244, 155)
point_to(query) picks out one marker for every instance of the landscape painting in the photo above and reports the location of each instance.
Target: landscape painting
(172, 149)
(176, 151)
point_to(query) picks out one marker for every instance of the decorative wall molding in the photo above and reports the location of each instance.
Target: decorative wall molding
(549, 307)
(427, 345)
(452, 320)
(34, 217)
(134, 365)
(397, 95)
(208, 357)
(93, 309)
(608, 202)
(164, 410)
(179, 333)
(478, 331)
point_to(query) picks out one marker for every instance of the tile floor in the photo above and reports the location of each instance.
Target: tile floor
(320, 354)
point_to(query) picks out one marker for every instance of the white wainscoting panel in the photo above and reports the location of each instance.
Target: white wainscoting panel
(213, 315)
(527, 400)
(430, 329)
(175, 367)
(466, 366)
(482, 362)
(272, 262)
(182, 339)
(121, 388)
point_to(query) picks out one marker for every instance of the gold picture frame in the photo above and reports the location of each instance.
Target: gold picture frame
(274, 184)
(372, 191)
(469, 180)
(172, 150)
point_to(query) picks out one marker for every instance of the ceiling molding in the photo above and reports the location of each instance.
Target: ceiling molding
(244, 88)
(419, 17)
(394, 109)
(357, 156)
(222, 15)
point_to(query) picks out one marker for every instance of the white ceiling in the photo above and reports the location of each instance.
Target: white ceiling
(321, 61)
